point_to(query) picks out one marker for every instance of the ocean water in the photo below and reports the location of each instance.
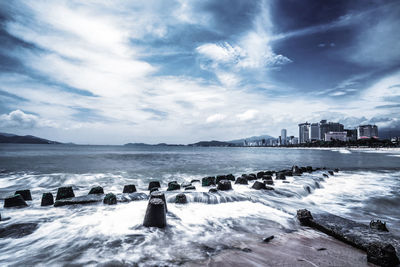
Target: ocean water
(367, 187)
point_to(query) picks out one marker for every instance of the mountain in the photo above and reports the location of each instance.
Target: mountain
(27, 139)
(251, 139)
(212, 143)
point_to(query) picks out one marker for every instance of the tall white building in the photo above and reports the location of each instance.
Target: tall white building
(284, 137)
(304, 133)
(367, 131)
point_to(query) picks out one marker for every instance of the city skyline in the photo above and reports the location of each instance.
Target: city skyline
(183, 71)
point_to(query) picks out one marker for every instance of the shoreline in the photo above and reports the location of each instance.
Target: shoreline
(304, 247)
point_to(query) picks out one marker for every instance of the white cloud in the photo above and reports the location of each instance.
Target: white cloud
(19, 119)
(215, 118)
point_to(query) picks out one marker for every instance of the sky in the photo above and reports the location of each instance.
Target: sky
(182, 71)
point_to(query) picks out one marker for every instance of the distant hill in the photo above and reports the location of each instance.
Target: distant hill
(144, 144)
(212, 143)
(27, 139)
(251, 139)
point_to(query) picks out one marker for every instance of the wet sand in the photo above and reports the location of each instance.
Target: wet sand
(305, 247)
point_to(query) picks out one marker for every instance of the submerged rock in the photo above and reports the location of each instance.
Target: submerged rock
(268, 239)
(161, 196)
(325, 175)
(378, 225)
(304, 216)
(78, 200)
(154, 184)
(26, 194)
(96, 190)
(336, 170)
(130, 188)
(207, 181)
(110, 199)
(47, 199)
(155, 214)
(18, 230)
(65, 192)
(173, 186)
(190, 188)
(14, 201)
(181, 199)
(224, 185)
(331, 172)
(382, 254)
(241, 180)
(213, 190)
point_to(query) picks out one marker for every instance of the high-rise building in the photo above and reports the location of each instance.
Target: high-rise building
(314, 132)
(351, 134)
(284, 137)
(340, 136)
(367, 131)
(325, 127)
(304, 133)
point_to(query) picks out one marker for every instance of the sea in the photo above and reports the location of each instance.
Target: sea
(366, 187)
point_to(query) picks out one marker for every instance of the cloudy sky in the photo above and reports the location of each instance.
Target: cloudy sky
(181, 71)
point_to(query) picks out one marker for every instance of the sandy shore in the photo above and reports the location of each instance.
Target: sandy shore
(301, 248)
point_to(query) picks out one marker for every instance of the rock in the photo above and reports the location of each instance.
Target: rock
(248, 250)
(258, 185)
(172, 182)
(267, 178)
(154, 184)
(241, 180)
(213, 190)
(378, 225)
(325, 175)
(288, 173)
(382, 254)
(207, 181)
(296, 170)
(268, 239)
(285, 182)
(304, 216)
(130, 188)
(153, 189)
(0, 217)
(47, 199)
(336, 170)
(161, 196)
(268, 172)
(269, 182)
(269, 188)
(96, 190)
(173, 186)
(251, 177)
(309, 168)
(181, 199)
(155, 214)
(26, 194)
(195, 181)
(14, 201)
(186, 184)
(331, 172)
(220, 178)
(260, 174)
(65, 192)
(110, 199)
(18, 230)
(230, 177)
(303, 169)
(280, 176)
(224, 185)
(132, 197)
(190, 188)
(89, 199)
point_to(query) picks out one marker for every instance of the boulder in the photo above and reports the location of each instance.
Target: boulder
(230, 177)
(268, 239)
(303, 169)
(382, 254)
(89, 199)
(65, 192)
(18, 230)
(26, 194)
(190, 188)
(161, 196)
(186, 184)
(155, 214)
(251, 177)
(130, 188)
(110, 199)
(260, 174)
(268, 172)
(331, 172)
(336, 170)
(309, 168)
(267, 178)
(241, 180)
(285, 182)
(269, 182)
(325, 175)
(181, 199)
(153, 189)
(224, 185)
(14, 201)
(288, 173)
(47, 199)
(280, 176)
(258, 185)
(154, 184)
(304, 216)
(195, 181)
(296, 170)
(96, 190)
(220, 178)
(213, 190)
(173, 186)
(207, 181)
(378, 225)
